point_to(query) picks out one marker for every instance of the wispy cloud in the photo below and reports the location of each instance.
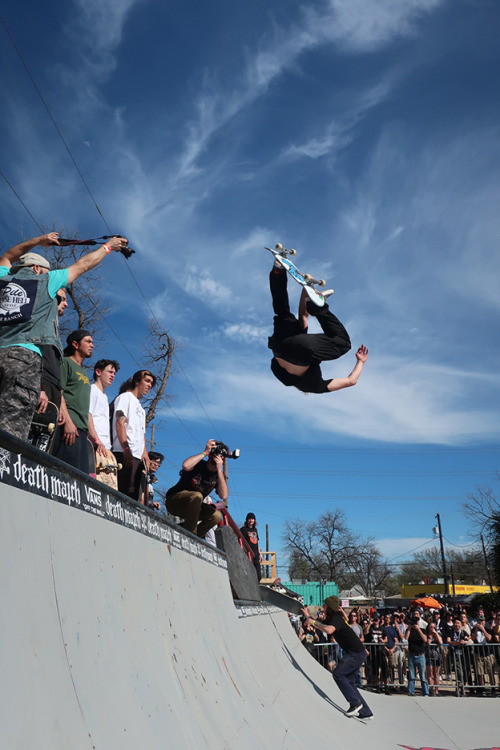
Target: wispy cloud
(396, 401)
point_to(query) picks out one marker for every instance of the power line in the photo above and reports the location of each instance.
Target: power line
(53, 121)
(35, 222)
(73, 160)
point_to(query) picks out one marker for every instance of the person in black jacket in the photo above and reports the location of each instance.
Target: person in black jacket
(353, 656)
(251, 537)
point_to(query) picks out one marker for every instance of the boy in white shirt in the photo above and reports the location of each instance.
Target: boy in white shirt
(104, 374)
(129, 429)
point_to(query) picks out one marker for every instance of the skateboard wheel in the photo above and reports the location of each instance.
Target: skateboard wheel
(119, 467)
(51, 427)
(321, 282)
(278, 246)
(307, 277)
(292, 252)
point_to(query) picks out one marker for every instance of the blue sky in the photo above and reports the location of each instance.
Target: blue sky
(364, 134)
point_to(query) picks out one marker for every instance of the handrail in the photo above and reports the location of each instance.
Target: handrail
(227, 520)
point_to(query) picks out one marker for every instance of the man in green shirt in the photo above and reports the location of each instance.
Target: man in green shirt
(71, 440)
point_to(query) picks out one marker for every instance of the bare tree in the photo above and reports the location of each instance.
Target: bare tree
(160, 351)
(482, 508)
(468, 566)
(328, 549)
(483, 511)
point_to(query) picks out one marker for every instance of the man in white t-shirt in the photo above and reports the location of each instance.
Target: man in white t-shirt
(99, 431)
(129, 429)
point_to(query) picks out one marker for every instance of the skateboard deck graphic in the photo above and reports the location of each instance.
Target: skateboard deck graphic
(106, 469)
(43, 428)
(305, 280)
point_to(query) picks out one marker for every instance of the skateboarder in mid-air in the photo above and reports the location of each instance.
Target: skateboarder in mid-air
(296, 354)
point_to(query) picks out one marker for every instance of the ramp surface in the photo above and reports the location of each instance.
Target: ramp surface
(118, 635)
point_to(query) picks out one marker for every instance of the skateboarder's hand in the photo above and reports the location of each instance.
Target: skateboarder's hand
(42, 403)
(362, 354)
(210, 444)
(100, 449)
(70, 432)
(49, 239)
(218, 461)
(117, 243)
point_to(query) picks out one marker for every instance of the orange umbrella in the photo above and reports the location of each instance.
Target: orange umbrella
(428, 602)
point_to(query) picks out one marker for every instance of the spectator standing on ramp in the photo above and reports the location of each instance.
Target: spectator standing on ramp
(354, 655)
(51, 365)
(28, 321)
(297, 355)
(104, 374)
(129, 429)
(71, 444)
(251, 537)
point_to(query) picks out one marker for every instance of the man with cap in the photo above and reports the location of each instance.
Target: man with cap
(28, 321)
(51, 365)
(353, 655)
(74, 418)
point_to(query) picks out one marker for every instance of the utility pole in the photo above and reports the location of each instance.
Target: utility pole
(443, 561)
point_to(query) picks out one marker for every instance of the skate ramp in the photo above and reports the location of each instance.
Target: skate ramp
(119, 635)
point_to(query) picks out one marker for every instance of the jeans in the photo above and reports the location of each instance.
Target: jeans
(416, 662)
(345, 674)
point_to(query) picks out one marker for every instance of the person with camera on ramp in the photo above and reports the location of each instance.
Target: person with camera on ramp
(200, 475)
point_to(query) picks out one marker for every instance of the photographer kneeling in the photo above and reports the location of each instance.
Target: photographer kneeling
(199, 477)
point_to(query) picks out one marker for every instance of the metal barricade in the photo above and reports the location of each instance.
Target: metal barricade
(472, 669)
(476, 668)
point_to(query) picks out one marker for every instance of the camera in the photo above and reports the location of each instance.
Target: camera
(127, 252)
(220, 449)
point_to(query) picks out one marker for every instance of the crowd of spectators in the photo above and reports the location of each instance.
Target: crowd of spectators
(37, 374)
(434, 649)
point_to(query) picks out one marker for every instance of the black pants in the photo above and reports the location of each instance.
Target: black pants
(76, 455)
(291, 342)
(126, 475)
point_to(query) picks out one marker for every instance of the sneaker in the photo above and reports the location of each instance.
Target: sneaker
(354, 710)
(327, 293)
(365, 718)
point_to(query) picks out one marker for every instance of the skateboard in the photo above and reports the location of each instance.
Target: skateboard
(91, 456)
(304, 279)
(282, 601)
(106, 469)
(43, 428)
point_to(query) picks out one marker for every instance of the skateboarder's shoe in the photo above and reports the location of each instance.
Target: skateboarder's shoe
(365, 717)
(354, 710)
(327, 293)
